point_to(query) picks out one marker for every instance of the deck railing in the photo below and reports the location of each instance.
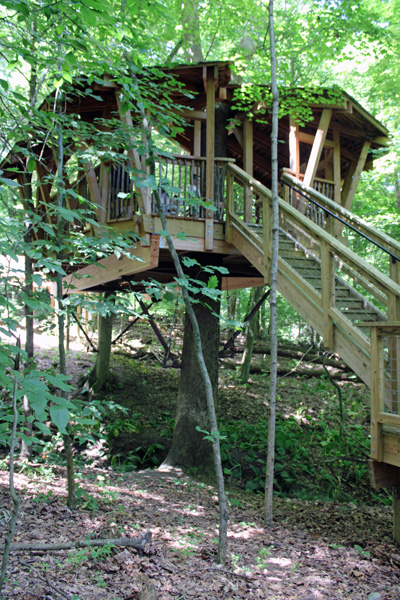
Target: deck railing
(385, 369)
(181, 186)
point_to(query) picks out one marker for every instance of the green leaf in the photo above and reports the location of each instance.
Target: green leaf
(58, 381)
(63, 402)
(213, 282)
(39, 405)
(60, 417)
(189, 262)
(9, 182)
(31, 164)
(43, 428)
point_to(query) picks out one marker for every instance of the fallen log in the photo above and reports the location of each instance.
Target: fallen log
(136, 543)
(284, 372)
(314, 358)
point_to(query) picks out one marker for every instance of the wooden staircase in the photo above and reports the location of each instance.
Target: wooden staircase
(330, 286)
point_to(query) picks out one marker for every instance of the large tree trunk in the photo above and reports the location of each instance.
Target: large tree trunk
(189, 449)
(99, 375)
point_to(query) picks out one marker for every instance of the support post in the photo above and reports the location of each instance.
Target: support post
(248, 167)
(337, 176)
(376, 427)
(294, 148)
(348, 200)
(210, 136)
(267, 237)
(327, 293)
(317, 147)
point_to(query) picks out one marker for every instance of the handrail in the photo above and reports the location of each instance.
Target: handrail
(371, 273)
(387, 243)
(394, 257)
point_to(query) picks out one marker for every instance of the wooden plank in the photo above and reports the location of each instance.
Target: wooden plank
(294, 147)
(229, 205)
(308, 309)
(248, 166)
(249, 248)
(357, 174)
(376, 427)
(307, 138)
(197, 245)
(176, 225)
(105, 188)
(391, 448)
(197, 138)
(267, 237)
(241, 283)
(210, 151)
(113, 268)
(352, 354)
(337, 175)
(389, 419)
(317, 147)
(383, 475)
(327, 293)
(190, 115)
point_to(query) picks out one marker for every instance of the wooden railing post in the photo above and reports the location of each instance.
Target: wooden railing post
(393, 314)
(267, 236)
(327, 293)
(229, 205)
(376, 426)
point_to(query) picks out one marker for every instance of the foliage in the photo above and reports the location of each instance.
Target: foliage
(312, 460)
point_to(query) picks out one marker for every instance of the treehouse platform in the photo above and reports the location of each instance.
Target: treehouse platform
(215, 193)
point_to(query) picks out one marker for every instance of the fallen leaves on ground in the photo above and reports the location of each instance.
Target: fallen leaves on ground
(314, 550)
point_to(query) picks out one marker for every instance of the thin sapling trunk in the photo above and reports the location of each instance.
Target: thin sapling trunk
(269, 483)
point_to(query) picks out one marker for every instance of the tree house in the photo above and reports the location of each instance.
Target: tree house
(216, 192)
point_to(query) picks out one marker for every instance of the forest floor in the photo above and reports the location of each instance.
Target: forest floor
(315, 549)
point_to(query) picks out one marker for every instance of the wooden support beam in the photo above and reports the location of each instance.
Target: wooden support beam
(348, 201)
(337, 176)
(327, 293)
(294, 148)
(197, 138)
(347, 180)
(248, 166)
(210, 145)
(112, 268)
(317, 147)
(105, 188)
(94, 190)
(376, 427)
(143, 194)
(190, 115)
(307, 138)
(383, 475)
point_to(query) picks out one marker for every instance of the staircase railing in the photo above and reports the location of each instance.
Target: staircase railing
(327, 270)
(380, 249)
